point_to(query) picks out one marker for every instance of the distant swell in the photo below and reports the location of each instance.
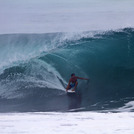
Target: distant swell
(35, 69)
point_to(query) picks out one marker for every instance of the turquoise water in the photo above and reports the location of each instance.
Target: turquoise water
(35, 69)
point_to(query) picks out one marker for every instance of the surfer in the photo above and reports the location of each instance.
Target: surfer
(73, 82)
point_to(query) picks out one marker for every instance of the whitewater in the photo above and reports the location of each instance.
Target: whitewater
(43, 42)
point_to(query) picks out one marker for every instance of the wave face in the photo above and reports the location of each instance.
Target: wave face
(35, 69)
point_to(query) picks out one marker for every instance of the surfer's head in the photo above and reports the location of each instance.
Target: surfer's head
(73, 74)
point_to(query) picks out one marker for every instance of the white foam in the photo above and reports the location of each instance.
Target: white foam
(45, 16)
(67, 123)
(50, 79)
(127, 108)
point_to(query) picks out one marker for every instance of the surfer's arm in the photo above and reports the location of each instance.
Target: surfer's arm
(82, 78)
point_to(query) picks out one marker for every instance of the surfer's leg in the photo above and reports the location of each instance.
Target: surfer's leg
(68, 87)
(75, 86)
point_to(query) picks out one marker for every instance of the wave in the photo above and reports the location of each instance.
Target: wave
(35, 69)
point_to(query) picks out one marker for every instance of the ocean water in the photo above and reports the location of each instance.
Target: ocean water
(43, 42)
(35, 69)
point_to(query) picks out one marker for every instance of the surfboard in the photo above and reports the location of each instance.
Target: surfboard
(70, 91)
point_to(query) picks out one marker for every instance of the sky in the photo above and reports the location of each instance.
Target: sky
(47, 16)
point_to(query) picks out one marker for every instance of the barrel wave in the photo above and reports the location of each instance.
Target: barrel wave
(35, 69)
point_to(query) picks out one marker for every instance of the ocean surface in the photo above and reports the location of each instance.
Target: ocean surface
(43, 42)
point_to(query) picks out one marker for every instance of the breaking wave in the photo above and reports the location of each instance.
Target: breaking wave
(35, 69)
